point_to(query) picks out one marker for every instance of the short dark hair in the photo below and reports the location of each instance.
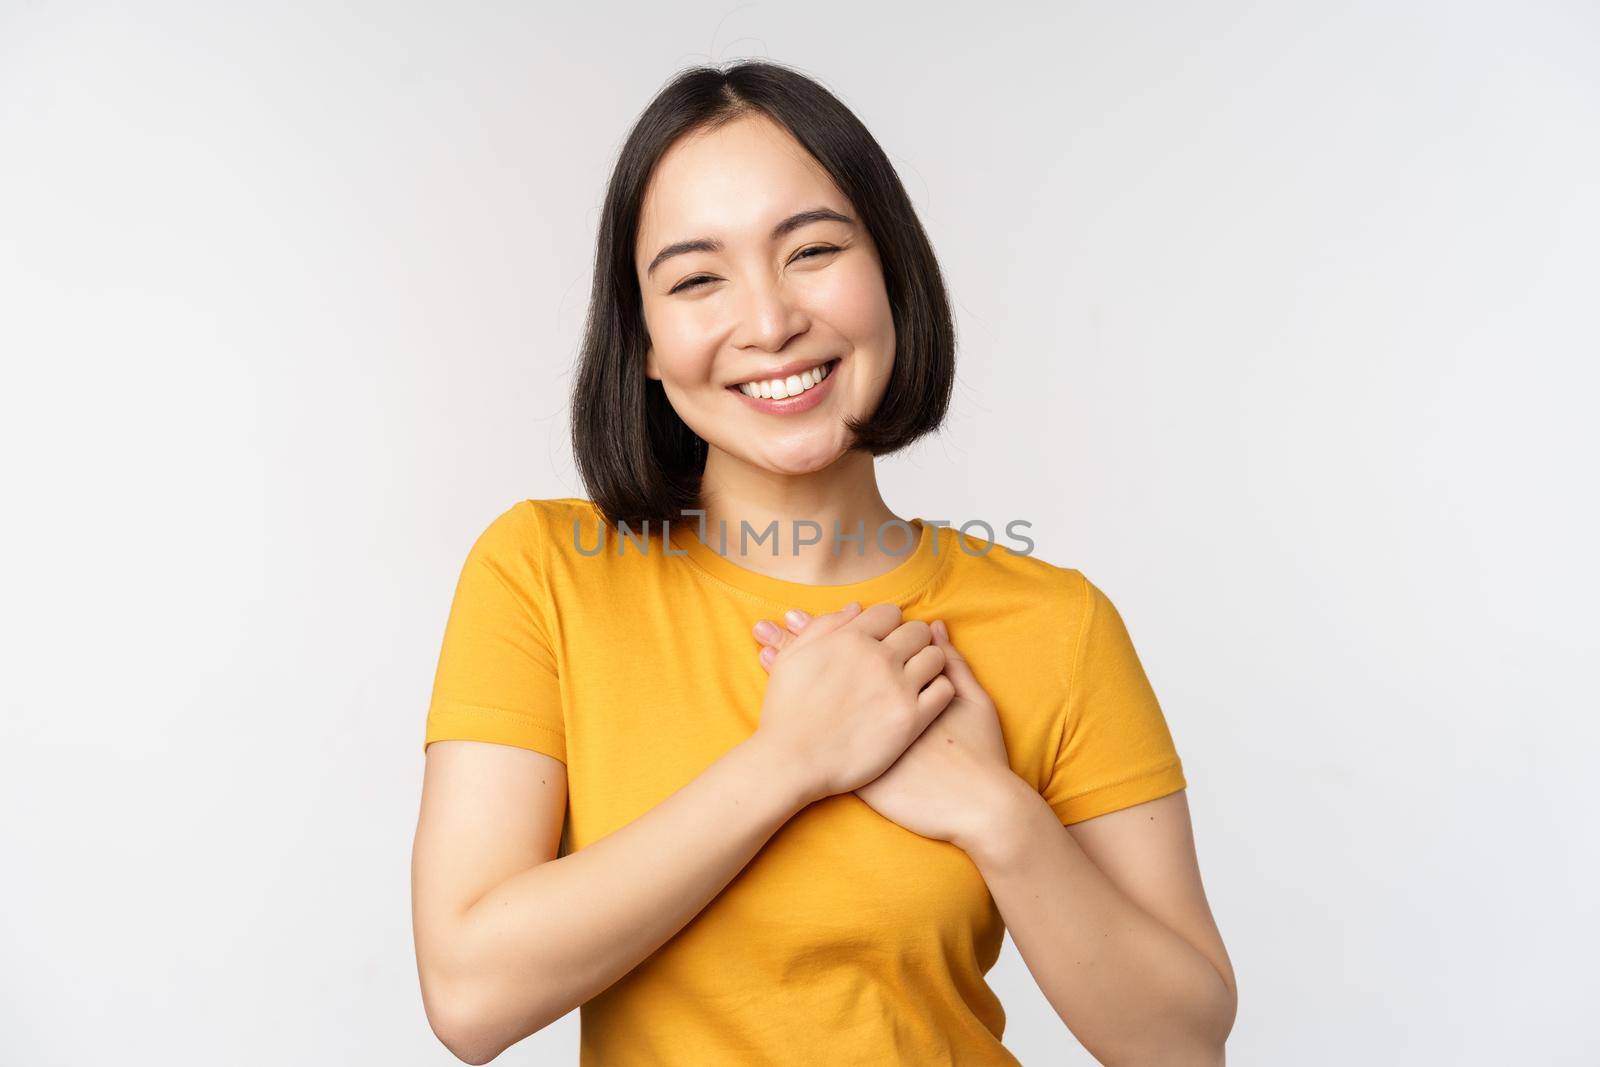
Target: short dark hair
(637, 458)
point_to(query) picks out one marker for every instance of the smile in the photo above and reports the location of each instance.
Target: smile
(790, 395)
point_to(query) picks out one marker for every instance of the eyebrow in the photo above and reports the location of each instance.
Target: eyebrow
(787, 226)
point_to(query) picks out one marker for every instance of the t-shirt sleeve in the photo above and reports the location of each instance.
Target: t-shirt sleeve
(497, 679)
(1115, 749)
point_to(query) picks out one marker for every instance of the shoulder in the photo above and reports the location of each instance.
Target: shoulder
(520, 549)
(1027, 593)
(523, 543)
(1013, 569)
(532, 527)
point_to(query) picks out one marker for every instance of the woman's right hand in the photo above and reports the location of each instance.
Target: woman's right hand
(847, 696)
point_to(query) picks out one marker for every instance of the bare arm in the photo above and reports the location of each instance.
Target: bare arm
(510, 938)
(1112, 920)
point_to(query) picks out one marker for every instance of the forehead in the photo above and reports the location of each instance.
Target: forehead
(731, 182)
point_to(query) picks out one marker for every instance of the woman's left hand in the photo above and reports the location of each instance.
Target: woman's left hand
(954, 779)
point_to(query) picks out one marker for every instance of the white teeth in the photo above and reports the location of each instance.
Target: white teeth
(778, 388)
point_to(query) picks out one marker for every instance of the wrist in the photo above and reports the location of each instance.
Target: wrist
(1004, 817)
(778, 772)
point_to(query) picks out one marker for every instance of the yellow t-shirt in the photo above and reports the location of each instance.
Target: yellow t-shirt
(847, 939)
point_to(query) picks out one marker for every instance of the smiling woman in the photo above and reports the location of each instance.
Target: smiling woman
(753, 228)
(731, 841)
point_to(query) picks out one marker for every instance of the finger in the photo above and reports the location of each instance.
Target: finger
(935, 698)
(826, 624)
(923, 667)
(767, 656)
(877, 621)
(955, 665)
(795, 620)
(772, 635)
(909, 638)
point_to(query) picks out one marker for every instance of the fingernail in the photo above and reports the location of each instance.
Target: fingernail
(939, 630)
(795, 617)
(766, 630)
(766, 656)
(854, 605)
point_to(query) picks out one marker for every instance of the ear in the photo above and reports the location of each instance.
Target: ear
(650, 369)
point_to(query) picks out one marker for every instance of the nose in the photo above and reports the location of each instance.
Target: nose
(768, 316)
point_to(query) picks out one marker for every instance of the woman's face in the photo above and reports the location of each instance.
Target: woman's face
(741, 283)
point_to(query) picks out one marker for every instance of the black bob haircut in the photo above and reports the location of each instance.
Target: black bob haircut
(640, 461)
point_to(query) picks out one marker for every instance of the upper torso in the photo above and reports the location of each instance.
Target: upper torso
(846, 936)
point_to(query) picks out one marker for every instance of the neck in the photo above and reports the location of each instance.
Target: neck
(846, 492)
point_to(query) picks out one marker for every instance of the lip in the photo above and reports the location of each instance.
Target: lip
(784, 370)
(793, 405)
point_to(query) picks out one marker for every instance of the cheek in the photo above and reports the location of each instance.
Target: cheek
(856, 303)
(679, 341)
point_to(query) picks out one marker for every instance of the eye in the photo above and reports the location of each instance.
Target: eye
(688, 283)
(700, 279)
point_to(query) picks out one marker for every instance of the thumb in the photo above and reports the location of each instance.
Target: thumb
(955, 664)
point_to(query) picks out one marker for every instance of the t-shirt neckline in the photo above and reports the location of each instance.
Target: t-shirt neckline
(897, 585)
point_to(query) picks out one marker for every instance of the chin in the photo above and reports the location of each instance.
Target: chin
(807, 461)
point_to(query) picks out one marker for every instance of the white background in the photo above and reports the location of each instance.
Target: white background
(1278, 321)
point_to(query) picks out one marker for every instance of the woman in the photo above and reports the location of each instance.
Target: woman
(738, 842)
